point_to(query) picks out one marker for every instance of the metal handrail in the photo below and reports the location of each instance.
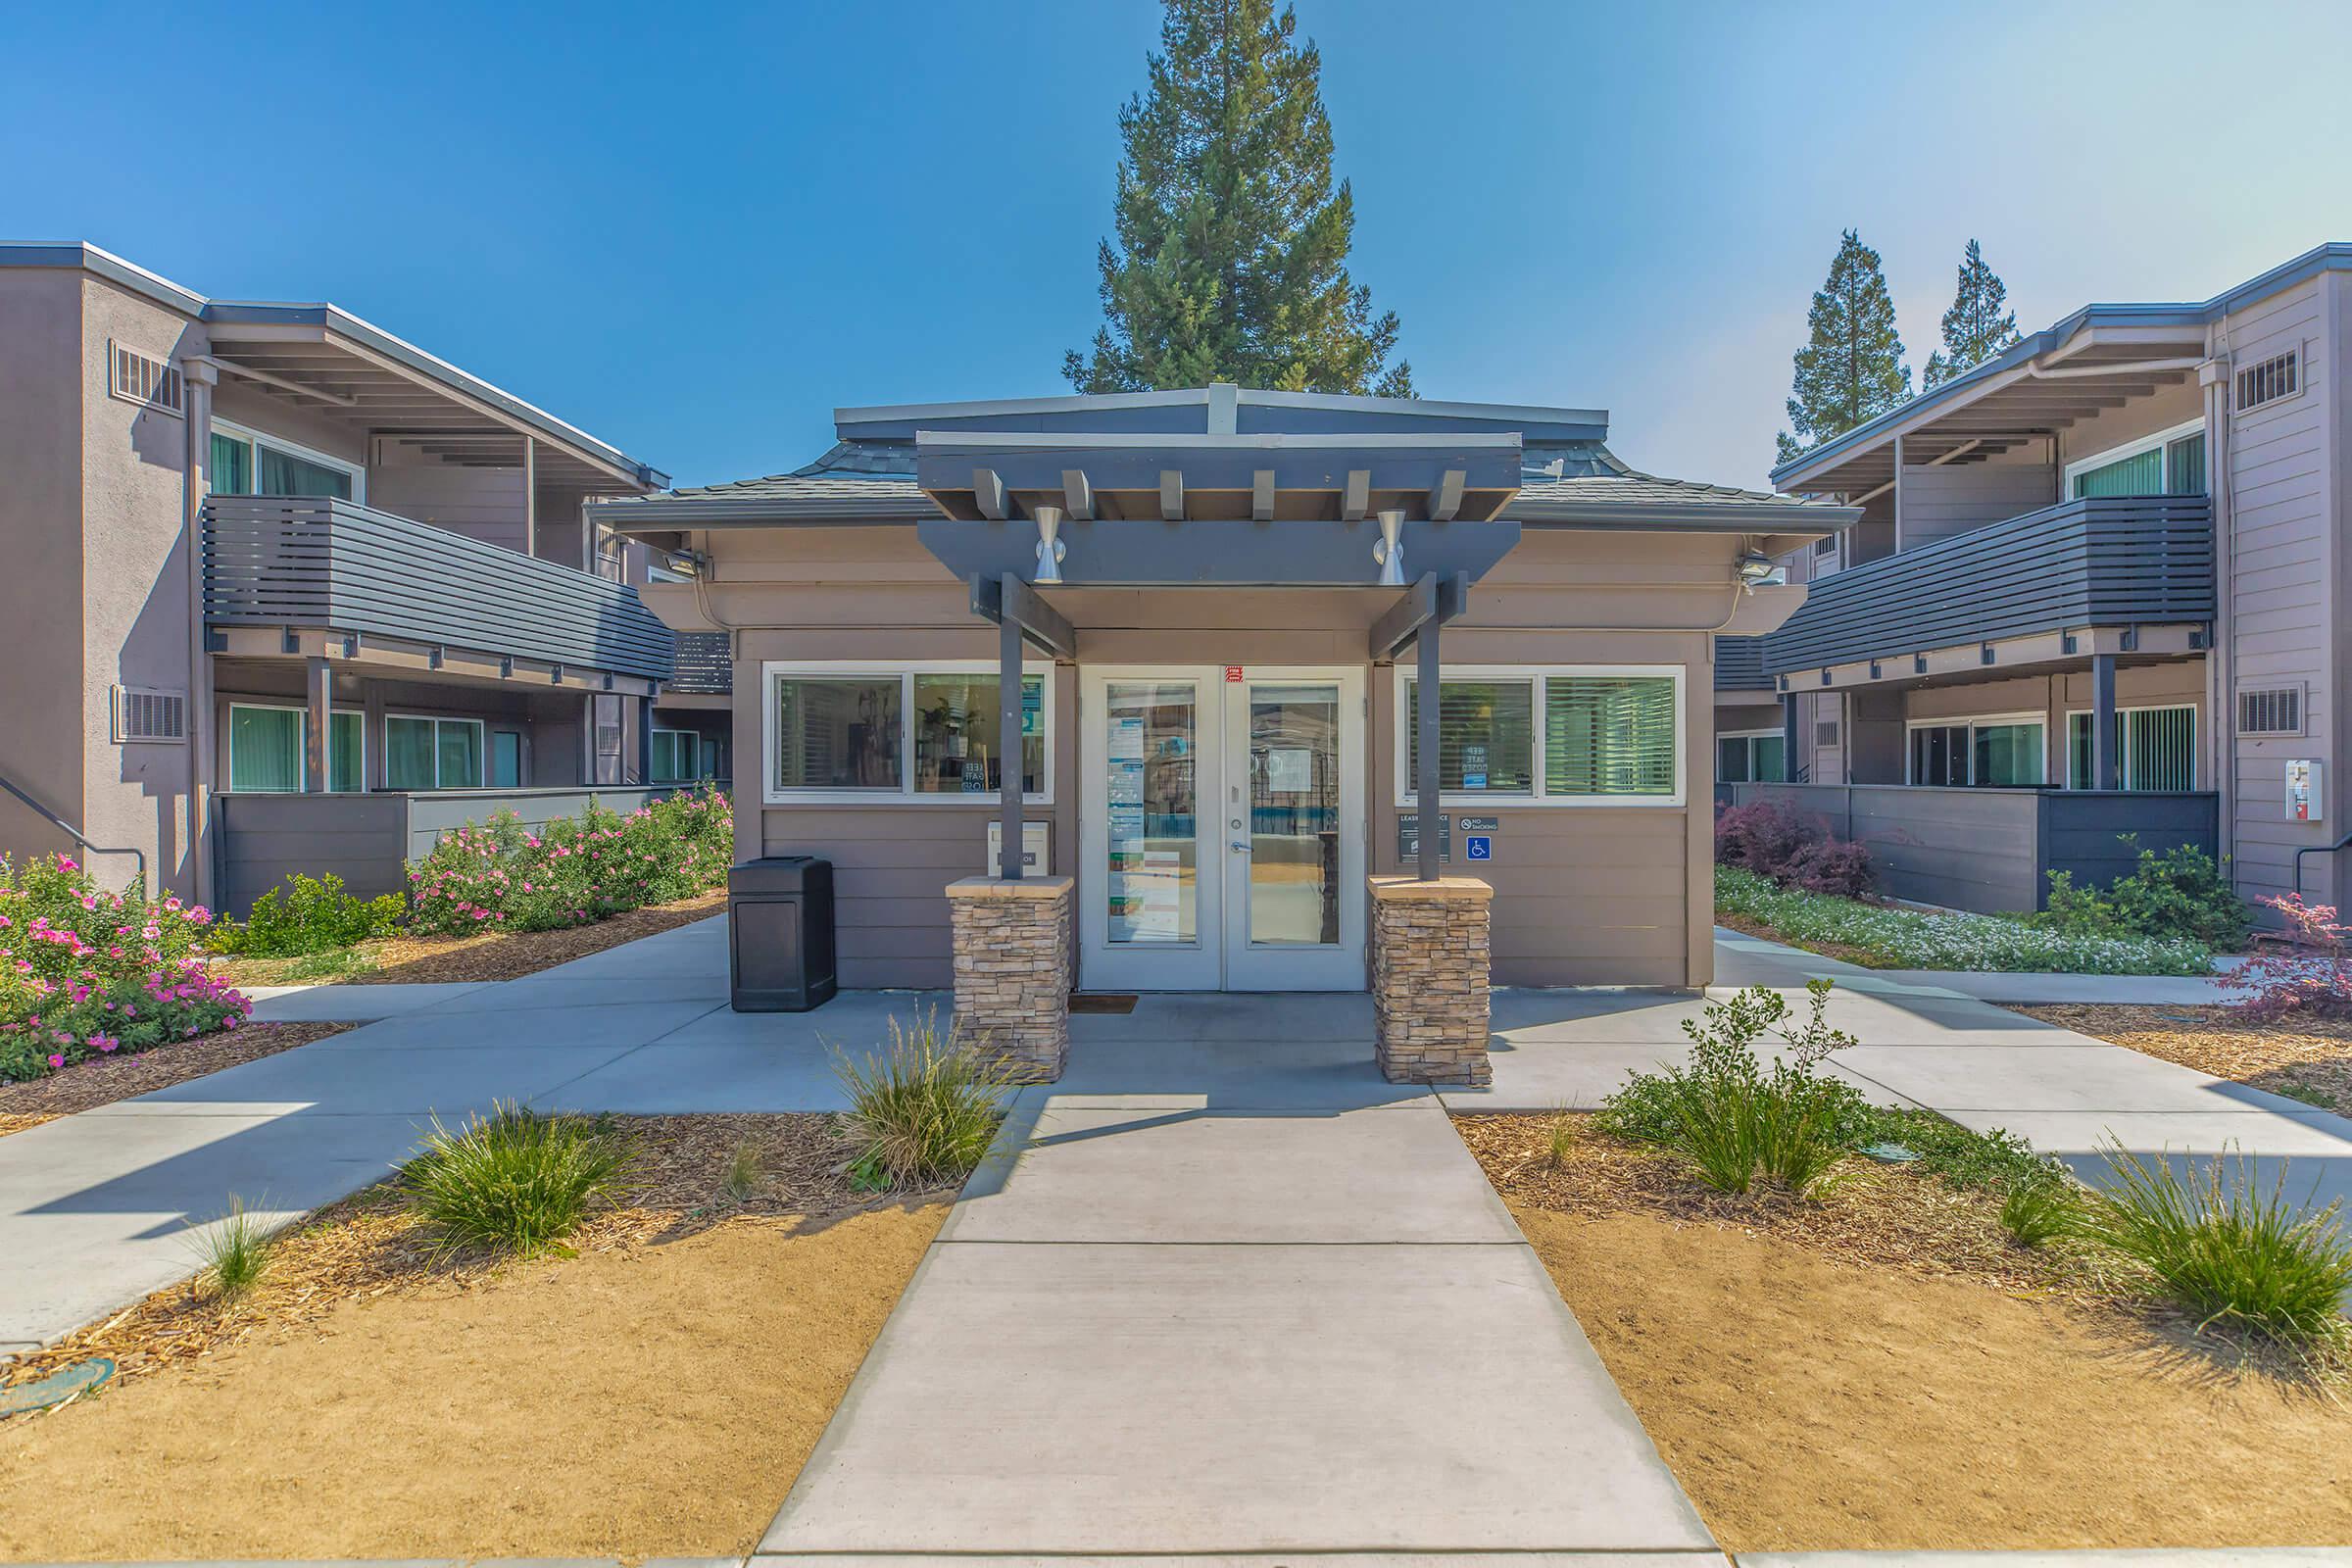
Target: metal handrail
(74, 833)
(2315, 849)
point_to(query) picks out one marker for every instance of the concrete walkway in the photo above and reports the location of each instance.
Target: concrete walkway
(1224, 1290)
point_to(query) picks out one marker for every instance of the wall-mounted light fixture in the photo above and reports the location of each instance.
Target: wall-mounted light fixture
(1754, 569)
(1049, 549)
(1388, 551)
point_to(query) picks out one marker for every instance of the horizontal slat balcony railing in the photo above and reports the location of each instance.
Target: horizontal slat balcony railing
(705, 665)
(299, 561)
(2104, 562)
(1740, 665)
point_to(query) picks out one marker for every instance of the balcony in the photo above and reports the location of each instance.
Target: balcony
(315, 563)
(705, 665)
(2124, 562)
(1740, 665)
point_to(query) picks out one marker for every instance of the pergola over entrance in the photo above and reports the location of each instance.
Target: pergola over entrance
(1027, 512)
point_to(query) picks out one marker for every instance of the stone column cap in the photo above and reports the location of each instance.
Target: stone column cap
(1463, 888)
(997, 887)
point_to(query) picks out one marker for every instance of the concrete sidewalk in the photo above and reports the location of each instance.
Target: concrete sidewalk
(1224, 1290)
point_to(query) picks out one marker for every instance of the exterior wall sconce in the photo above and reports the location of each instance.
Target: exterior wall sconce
(1388, 551)
(1049, 549)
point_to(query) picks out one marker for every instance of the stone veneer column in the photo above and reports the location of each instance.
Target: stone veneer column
(1431, 966)
(1014, 955)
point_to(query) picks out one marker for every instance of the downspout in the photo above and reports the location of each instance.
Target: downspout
(2221, 660)
(199, 375)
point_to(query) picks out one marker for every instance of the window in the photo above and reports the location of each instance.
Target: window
(268, 750)
(506, 759)
(432, 754)
(868, 730)
(2001, 753)
(2269, 381)
(2170, 462)
(244, 464)
(2273, 711)
(1751, 756)
(676, 757)
(143, 379)
(1485, 736)
(2158, 749)
(1585, 735)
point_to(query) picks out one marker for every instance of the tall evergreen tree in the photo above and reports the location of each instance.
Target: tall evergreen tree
(1230, 262)
(1851, 367)
(1976, 328)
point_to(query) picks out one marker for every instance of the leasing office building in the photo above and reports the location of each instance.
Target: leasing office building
(2098, 583)
(284, 589)
(1226, 594)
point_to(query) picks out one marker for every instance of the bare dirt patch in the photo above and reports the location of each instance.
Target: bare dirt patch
(104, 1080)
(653, 1395)
(499, 956)
(1884, 1371)
(2304, 1058)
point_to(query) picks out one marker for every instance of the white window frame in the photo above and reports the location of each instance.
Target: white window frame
(2196, 741)
(254, 439)
(1534, 796)
(2162, 441)
(1751, 736)
(773, 671)
(1971, 722)
(481, 749)
(235, 702)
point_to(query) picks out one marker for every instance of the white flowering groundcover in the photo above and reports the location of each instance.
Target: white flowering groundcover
(1914, 938)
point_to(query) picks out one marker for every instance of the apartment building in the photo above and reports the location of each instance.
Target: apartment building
(288, 593)
(2096, 586)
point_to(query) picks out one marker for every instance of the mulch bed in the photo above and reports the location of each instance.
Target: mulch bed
(1874, 1216)
(497, 955)
(370, 1243)
(2305, 1058)
(104, 1080)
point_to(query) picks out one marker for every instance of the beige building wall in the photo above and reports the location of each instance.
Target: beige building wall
(1621, 894)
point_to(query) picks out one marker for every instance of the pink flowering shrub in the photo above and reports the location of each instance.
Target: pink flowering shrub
(575, 871)
(86, 972)
(2312, 976)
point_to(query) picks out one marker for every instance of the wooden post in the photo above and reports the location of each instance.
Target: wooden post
(1008, 741)
(1425, 776)
(2103, 760)
(645, 739)
(318, 688)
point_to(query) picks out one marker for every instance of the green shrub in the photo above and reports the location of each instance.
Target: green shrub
(517, 1181)
(921, 1112)
(502, 876)
(314, 916)
(1736, 1121)
(2225, 1252)
(1987, 1161)
(236, 1252)
(2179, 895)
(2037, 1211)
(1915, 939)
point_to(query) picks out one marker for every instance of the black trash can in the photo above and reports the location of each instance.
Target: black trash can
(780, 934)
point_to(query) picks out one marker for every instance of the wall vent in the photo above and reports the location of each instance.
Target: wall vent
(1825, 732)
(2272, 380)
(2270, 711)
(144, 379)
(147, 713)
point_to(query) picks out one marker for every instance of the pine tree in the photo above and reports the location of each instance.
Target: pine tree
(1976, 328)
(1231, 261)
(1852, 369)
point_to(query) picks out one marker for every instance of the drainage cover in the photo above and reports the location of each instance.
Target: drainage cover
(57, 1388)
(1100, 1003)
(1890, 1153)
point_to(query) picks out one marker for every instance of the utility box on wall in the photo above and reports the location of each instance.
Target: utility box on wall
(780, 934)
(1035, 861)
(2304, 801)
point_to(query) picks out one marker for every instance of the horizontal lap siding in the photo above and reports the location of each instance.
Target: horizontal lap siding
(1957, 497)
(265, 839)
(2282, 561)
(1967, 849)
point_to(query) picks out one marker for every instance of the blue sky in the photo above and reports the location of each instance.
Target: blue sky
(696, 230)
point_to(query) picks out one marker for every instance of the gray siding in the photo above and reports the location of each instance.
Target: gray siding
(1958, 497)
(485, 504)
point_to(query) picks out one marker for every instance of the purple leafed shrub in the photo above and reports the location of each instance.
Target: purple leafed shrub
(2312, 976)
(1768, 838)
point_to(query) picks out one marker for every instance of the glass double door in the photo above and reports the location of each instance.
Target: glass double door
(1222, 829)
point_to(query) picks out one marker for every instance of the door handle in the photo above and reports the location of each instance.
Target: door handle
(1240, 847)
